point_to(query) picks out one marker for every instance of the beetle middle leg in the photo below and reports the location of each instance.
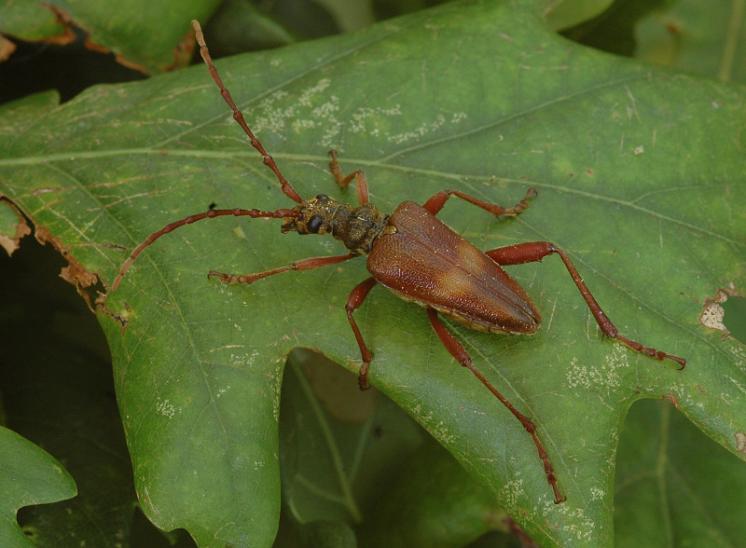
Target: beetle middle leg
(303, 264)
(436, 202)
(344, 180)
(458, 351)
(535, 251)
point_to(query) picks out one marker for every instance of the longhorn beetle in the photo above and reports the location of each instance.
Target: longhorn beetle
(417, 257)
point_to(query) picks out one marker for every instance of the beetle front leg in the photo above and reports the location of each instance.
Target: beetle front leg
(344, 180)
(536, 251)
(356, 298)
(437, 201)
(457, 350)
(304, 264)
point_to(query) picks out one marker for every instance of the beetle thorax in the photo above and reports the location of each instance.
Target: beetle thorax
(355, 227)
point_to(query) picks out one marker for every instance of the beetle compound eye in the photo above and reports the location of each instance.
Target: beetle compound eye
(322, 197)
(314, 224)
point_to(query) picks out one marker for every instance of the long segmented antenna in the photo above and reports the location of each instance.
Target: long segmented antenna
(287, 188)
(212, 213)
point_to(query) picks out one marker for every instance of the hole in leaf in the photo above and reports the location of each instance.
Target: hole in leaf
(56, 382)
(734, 318)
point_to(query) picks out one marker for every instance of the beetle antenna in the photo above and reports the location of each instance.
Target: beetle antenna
(209, 214)
(287, 188)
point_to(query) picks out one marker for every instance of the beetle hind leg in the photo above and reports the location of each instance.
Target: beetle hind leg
(458, 351)
(535, 251)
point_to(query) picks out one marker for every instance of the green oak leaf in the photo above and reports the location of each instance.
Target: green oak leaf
(338, 445)
(640, 174)
(613, 30)
(28, 475)
(703, 38)
(432, 502)
(675, 487)
(149, 36)
(30, 21)
(734, 317)
(561, 14)
(696, 37)
(355, 457)
(239, 26)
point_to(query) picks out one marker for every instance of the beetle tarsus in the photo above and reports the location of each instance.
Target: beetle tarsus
(521, 206)
(362, 377)
(436, 202)
(221, 276)
(651, 352)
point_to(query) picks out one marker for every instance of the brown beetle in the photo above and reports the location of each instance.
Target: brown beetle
(417, 257)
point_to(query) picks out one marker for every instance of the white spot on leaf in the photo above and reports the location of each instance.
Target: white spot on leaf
(607, 375)
(166, 408)
(511, 491)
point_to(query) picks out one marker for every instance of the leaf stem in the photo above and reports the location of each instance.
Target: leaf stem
(731, 41)
(661, 472)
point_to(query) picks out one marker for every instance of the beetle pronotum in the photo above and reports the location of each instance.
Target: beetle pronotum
(417, 257)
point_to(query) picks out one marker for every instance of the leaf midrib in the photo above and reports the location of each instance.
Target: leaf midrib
(231, 155)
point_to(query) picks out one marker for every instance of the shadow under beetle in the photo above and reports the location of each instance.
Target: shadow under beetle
(417, 257)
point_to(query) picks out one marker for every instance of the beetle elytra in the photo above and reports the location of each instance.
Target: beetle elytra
(417, 257)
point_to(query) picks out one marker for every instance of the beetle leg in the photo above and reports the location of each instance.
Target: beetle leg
(304, 264)
(536, 251)
(356, 298)
(344, 180)
(457, 351)
(437, 201)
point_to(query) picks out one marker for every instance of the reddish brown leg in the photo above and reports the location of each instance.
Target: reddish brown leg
(356, 298)
(536, 251)
(304, 264)
(457, 351)
(286, 187)
(211, 214)
(436, 203)
(344, 180)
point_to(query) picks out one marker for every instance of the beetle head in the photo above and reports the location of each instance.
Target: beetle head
(314, 216)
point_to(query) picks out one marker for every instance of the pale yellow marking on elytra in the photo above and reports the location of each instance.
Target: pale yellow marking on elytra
(456, 282)
(470, 256)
